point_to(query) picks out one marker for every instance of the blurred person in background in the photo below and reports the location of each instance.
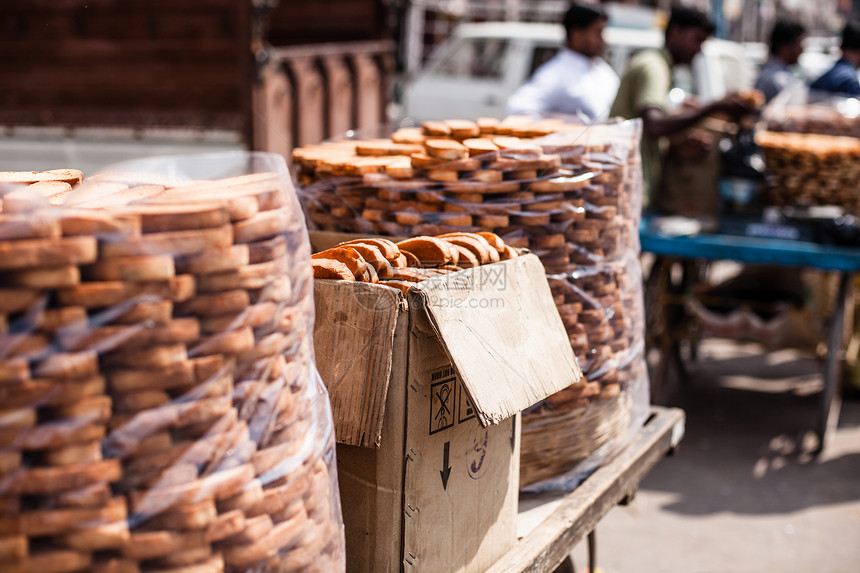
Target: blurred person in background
(576, 81)
(644, 93)
(786, 38)
(679, 158)
(842, 77)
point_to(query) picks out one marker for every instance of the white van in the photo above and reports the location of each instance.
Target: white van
(475, 71)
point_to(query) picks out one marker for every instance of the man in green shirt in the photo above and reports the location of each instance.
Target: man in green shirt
(644, 92)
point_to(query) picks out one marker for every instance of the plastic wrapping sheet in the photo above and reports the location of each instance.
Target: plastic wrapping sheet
(571, 433)
(162, 409)
(797, 109)
(569, 193)
(810, 144)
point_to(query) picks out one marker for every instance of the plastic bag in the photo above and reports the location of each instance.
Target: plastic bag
(797, 109)
(811, 150)
(570, 193)
(162, 409)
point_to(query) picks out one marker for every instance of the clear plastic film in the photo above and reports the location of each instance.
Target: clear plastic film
(162, 409)
(798, 109)
(571, 194)
(811, 149)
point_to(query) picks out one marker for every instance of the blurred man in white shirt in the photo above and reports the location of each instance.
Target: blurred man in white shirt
(576, 81)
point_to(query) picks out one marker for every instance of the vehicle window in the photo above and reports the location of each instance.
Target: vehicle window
(476, 58)
(541, 55)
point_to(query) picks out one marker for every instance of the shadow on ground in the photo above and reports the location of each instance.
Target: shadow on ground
(749, 438)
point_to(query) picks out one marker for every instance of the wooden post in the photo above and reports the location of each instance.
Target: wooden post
(273, 112)
(368, 92)
(340, 95)
(310, 100)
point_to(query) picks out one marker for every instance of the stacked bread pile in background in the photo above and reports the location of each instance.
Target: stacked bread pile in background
(839, 117)
(551, 187)
(569, 193)
(807, 169)
(161, 408)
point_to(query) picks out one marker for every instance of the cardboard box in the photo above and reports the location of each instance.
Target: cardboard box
(426, 391)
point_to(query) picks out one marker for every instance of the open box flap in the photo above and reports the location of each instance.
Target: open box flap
(353, 342)
(500, 328)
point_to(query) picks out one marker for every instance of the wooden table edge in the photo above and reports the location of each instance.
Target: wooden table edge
(549, 544)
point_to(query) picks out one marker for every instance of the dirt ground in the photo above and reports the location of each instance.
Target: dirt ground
(743, 493)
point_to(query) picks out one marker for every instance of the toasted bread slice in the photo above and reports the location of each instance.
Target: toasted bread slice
(446, 149)
(487, 124)
(424, 161)
(50, 189)
(370, 274)
(481, 147)
(403, 261)
(347, 255)
(508, 253)
(493, 239)
(374, 257)
(70, 176)
(477, 244)
(486, 176)
(463, 128)
(430, 251)
(331, 269)
(515, 144)
(389, 250)
(408, 135)
(386, 147)
(467, 258)
(436, 128)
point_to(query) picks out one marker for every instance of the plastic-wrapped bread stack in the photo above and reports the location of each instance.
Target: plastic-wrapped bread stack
(569, 193)
(810, 147)
(835, 115)
(807, 169)
(161, 405)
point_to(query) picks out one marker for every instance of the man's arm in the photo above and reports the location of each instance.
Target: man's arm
(657, 123)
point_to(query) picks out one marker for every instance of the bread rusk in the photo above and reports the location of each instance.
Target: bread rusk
(388, 248)
(347, 255)
(463, 128)
(480, 147)
(476, 244)
(430, 251)
(467, 258)
(70, 176)
(374, 257)
(331, 269)
(433, 127)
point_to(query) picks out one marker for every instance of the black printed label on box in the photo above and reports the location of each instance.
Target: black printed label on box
(466, 411)
(443, 394)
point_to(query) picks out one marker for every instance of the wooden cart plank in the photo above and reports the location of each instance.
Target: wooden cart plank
(549, 544)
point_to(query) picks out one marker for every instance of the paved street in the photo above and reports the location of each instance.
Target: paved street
(743, 494)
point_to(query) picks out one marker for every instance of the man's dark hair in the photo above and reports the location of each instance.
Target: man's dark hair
(582, 15)
(784, 33)
(688, 17)
(851, 35)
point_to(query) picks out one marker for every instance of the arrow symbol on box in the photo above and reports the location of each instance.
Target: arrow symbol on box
(446, 467)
